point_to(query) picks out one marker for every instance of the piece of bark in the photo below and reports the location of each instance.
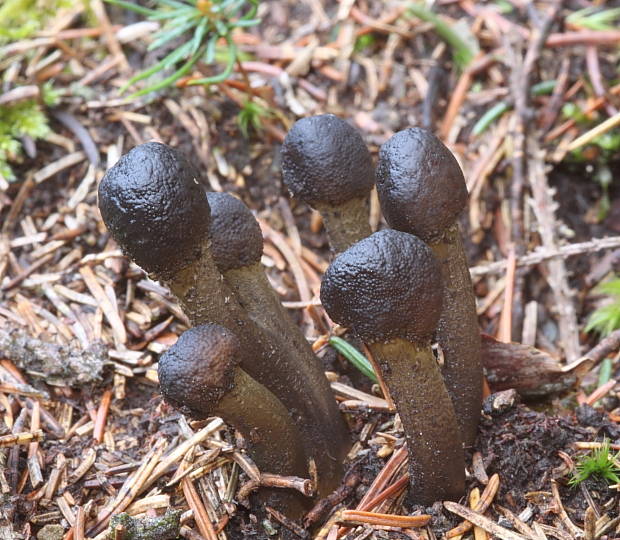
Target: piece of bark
(58, 365)
(530, 371)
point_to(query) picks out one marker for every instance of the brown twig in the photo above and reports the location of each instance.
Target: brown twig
(481, 507)
(359, 517)
(102, 413)
(520, 89)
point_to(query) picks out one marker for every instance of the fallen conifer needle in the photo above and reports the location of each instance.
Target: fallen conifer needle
(481, 507)
(481, 521)
(358, 517)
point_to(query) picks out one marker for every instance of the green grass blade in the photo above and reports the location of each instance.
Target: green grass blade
(168, 81)
(132, 7)
(168, 61)
(357, 359)
(489, 117)
(165, 35)
(463, 52)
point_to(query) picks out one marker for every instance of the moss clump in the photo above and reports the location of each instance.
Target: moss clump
(19, 19)
(18, 120)
(164, 527)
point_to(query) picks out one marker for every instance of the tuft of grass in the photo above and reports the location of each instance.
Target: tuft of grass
(203, 27)
(251, 117)
(357, 359)
(601, 463)
(594, 18)
(606, 319)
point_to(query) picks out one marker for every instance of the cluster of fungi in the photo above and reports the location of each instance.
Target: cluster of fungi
(398, 289)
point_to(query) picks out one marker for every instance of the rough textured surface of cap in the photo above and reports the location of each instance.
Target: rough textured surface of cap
(386, 286)
(420, 184)
(236, 238)
(155, 208)
(199, 369)
(325, 161)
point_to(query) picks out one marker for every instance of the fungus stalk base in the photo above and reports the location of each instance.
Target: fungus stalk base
(436, 461)
(346, 224)
(458, 334)
(273, 441)
(205, 297)
(327, 426)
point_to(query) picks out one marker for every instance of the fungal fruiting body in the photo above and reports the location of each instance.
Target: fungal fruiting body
(237, 246)
(387, 289)
(326, 164)
(150, 195)
(422, 191)
(201, 376)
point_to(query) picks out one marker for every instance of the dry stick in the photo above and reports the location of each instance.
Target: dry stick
(596, 131)
(358, 517)
(482, 522)
(102, 413)
(130, 489)
(481, 506)
(520, 88)
(604, 348)
(542, 254)
(194, 502)
(544, 210)
(575, 531)
(522, 527)
(504, 331)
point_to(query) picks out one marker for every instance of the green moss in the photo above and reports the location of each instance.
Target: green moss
(16, 120)
(19, 19)
(164, 527)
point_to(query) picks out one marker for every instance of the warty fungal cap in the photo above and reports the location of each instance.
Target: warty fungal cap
(199, 368)
(325, 161)
(386, 286)
(155, 208)
(420, 184)
(236, 238)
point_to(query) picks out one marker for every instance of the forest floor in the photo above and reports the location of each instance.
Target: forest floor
(84, 433)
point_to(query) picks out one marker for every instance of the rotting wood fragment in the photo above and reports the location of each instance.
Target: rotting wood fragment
(59, 365)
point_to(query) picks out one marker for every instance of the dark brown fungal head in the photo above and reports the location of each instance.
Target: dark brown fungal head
(199, 369)
(386, 286)
(236, 238)
(155, 208)
(326, 162)
(420, 184)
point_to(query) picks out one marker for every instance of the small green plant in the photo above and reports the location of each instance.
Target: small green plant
(606, 319)
(593, 18)
(463, 43)
(251, 116)
(202, 25)
(601, 463)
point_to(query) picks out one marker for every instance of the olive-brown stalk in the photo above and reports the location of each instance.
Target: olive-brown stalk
(237, 246)
(387, 289)
(422, 191)
(200, 376)
(326, 164)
